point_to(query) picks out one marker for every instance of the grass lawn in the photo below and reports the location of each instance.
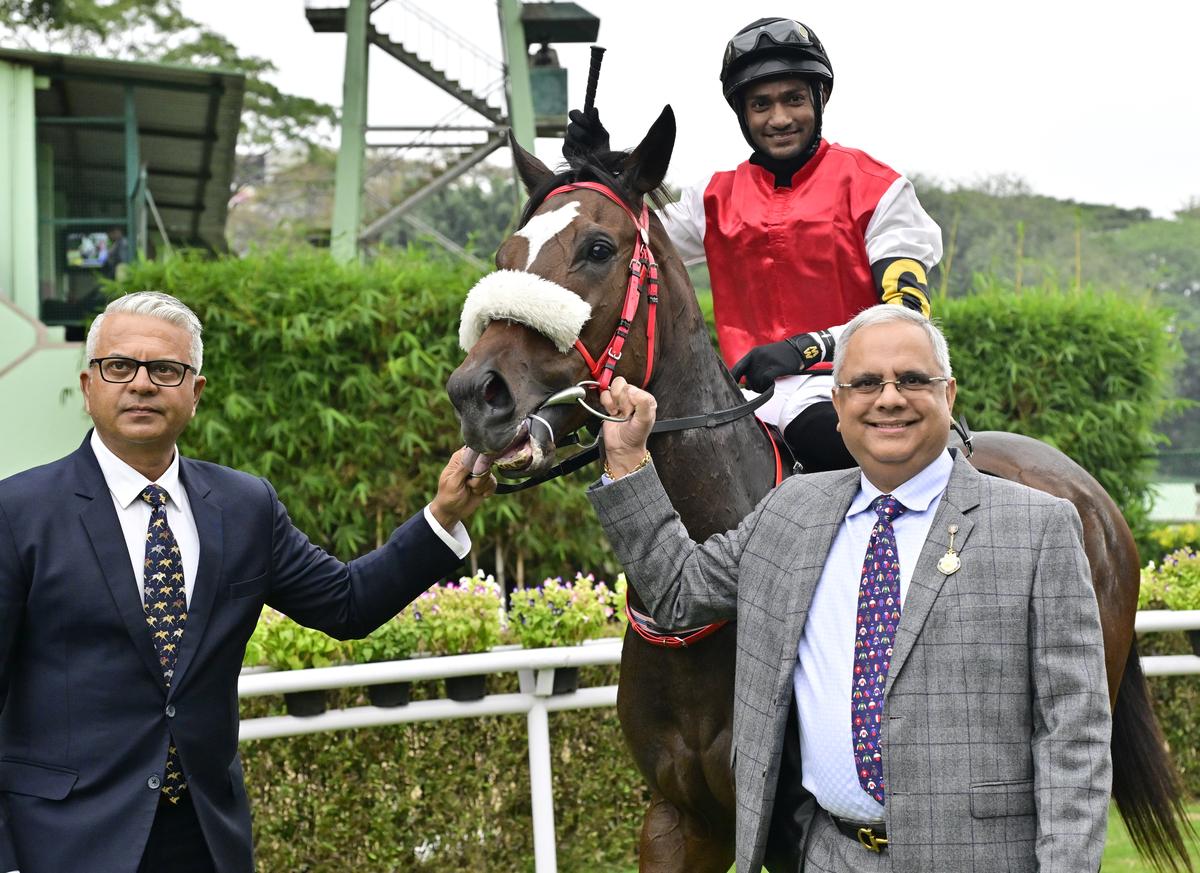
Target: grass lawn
(1119, 856)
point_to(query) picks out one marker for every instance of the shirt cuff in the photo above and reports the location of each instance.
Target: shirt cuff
(457, 540)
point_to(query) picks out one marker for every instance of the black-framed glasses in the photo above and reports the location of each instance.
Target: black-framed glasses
(784, 32)
(907, 383)
(165, 374)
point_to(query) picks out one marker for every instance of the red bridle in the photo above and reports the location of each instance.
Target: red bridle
(643, 275)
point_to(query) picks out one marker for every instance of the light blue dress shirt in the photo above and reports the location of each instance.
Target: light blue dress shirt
(825, 656)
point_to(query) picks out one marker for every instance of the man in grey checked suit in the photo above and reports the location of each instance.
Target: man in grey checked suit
(992, 745)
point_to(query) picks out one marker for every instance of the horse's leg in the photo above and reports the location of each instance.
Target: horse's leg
(1145, 786)
(675, 842)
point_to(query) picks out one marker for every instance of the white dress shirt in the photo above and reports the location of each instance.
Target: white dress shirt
(126, 484)
(825, 656)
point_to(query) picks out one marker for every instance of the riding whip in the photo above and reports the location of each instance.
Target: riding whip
(589, 99)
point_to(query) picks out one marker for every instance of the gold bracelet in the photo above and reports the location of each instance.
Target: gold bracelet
(611, 475)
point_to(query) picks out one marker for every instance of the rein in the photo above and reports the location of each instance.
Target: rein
(579, 460)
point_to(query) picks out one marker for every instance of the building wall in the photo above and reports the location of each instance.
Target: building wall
(41, 410)
(18, 189)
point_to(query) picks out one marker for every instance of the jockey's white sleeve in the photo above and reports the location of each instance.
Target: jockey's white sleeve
(684, 221)
(901, 228)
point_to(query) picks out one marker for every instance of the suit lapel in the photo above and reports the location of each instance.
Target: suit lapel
(961, 497)
(818, 521)
(208, 517)
(99, 519)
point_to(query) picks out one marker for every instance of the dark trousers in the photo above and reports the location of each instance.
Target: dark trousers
(815, 442)
(176, 843)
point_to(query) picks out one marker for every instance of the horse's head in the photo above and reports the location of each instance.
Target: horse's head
(561, 285)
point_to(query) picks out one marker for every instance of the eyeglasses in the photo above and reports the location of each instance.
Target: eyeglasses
(783, 33)
(908, 383)
(165, 374)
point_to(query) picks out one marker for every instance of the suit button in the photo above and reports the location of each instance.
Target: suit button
(170, 710)
(154, 783)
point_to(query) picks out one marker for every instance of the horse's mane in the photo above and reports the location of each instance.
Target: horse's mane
(602, 167)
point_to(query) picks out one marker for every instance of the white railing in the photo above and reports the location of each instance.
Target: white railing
(535, 669)
(1159, 620)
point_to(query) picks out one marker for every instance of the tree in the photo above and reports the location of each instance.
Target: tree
(158, 30)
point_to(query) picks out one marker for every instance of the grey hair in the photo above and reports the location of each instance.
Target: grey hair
(888, 313)
(156, 304)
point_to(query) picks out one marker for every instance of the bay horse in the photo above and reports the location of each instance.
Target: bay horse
(564, 283)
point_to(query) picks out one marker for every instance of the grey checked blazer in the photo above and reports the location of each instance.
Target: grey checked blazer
(997, 727)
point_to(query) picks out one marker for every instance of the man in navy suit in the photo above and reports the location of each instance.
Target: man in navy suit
(130, 581)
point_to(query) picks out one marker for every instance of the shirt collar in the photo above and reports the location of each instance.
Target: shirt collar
(126, 483)
(917, 494)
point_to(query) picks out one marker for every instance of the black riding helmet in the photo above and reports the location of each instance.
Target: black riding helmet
(773, 48)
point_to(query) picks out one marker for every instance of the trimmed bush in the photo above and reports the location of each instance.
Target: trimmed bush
(1088, 373)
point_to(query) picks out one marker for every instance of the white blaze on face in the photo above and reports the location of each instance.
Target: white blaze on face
(544, 227)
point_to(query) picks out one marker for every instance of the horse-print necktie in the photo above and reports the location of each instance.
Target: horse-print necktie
(875, 631)
(165, 603)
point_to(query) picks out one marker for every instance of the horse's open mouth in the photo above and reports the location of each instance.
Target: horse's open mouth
(526, 455)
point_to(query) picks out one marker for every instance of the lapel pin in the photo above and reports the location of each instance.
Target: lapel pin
(949, 562)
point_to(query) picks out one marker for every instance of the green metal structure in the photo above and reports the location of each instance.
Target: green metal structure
(534, 90)
(92, 147)
(348, 182)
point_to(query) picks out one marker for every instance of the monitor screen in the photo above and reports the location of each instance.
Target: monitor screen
(87, 250)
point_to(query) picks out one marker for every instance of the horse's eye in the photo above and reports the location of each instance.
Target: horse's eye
(599, 251)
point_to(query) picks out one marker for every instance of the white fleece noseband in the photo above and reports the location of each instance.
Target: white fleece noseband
(528, 299)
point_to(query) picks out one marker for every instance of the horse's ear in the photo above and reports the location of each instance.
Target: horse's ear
(532, 171)
(646, 167)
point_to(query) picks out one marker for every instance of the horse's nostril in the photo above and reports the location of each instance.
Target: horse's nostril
(492, 389)
(495, 393)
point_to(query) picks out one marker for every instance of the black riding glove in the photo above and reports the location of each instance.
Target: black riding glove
(585, 134)
(762, 365)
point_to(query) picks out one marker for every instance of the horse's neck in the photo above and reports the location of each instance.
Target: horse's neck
(714, 476)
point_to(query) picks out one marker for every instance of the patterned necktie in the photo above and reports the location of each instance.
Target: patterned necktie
(165, 603)
(878, 615)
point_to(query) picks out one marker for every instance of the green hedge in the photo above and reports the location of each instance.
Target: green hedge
(1087, 372)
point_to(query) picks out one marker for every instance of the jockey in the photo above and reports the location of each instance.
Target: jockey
(799, 239)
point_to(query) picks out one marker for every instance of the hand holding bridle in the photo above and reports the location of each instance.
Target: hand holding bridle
(625, 442)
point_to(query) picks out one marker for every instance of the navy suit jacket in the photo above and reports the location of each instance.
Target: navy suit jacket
(84, 714)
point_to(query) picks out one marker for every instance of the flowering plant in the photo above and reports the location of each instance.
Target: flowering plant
(561, 613)
(394, 640)
(290, 646)
(1174, 582)
(456, 619)
(256, 650)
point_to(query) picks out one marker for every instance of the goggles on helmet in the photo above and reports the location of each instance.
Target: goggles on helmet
(783, 33)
